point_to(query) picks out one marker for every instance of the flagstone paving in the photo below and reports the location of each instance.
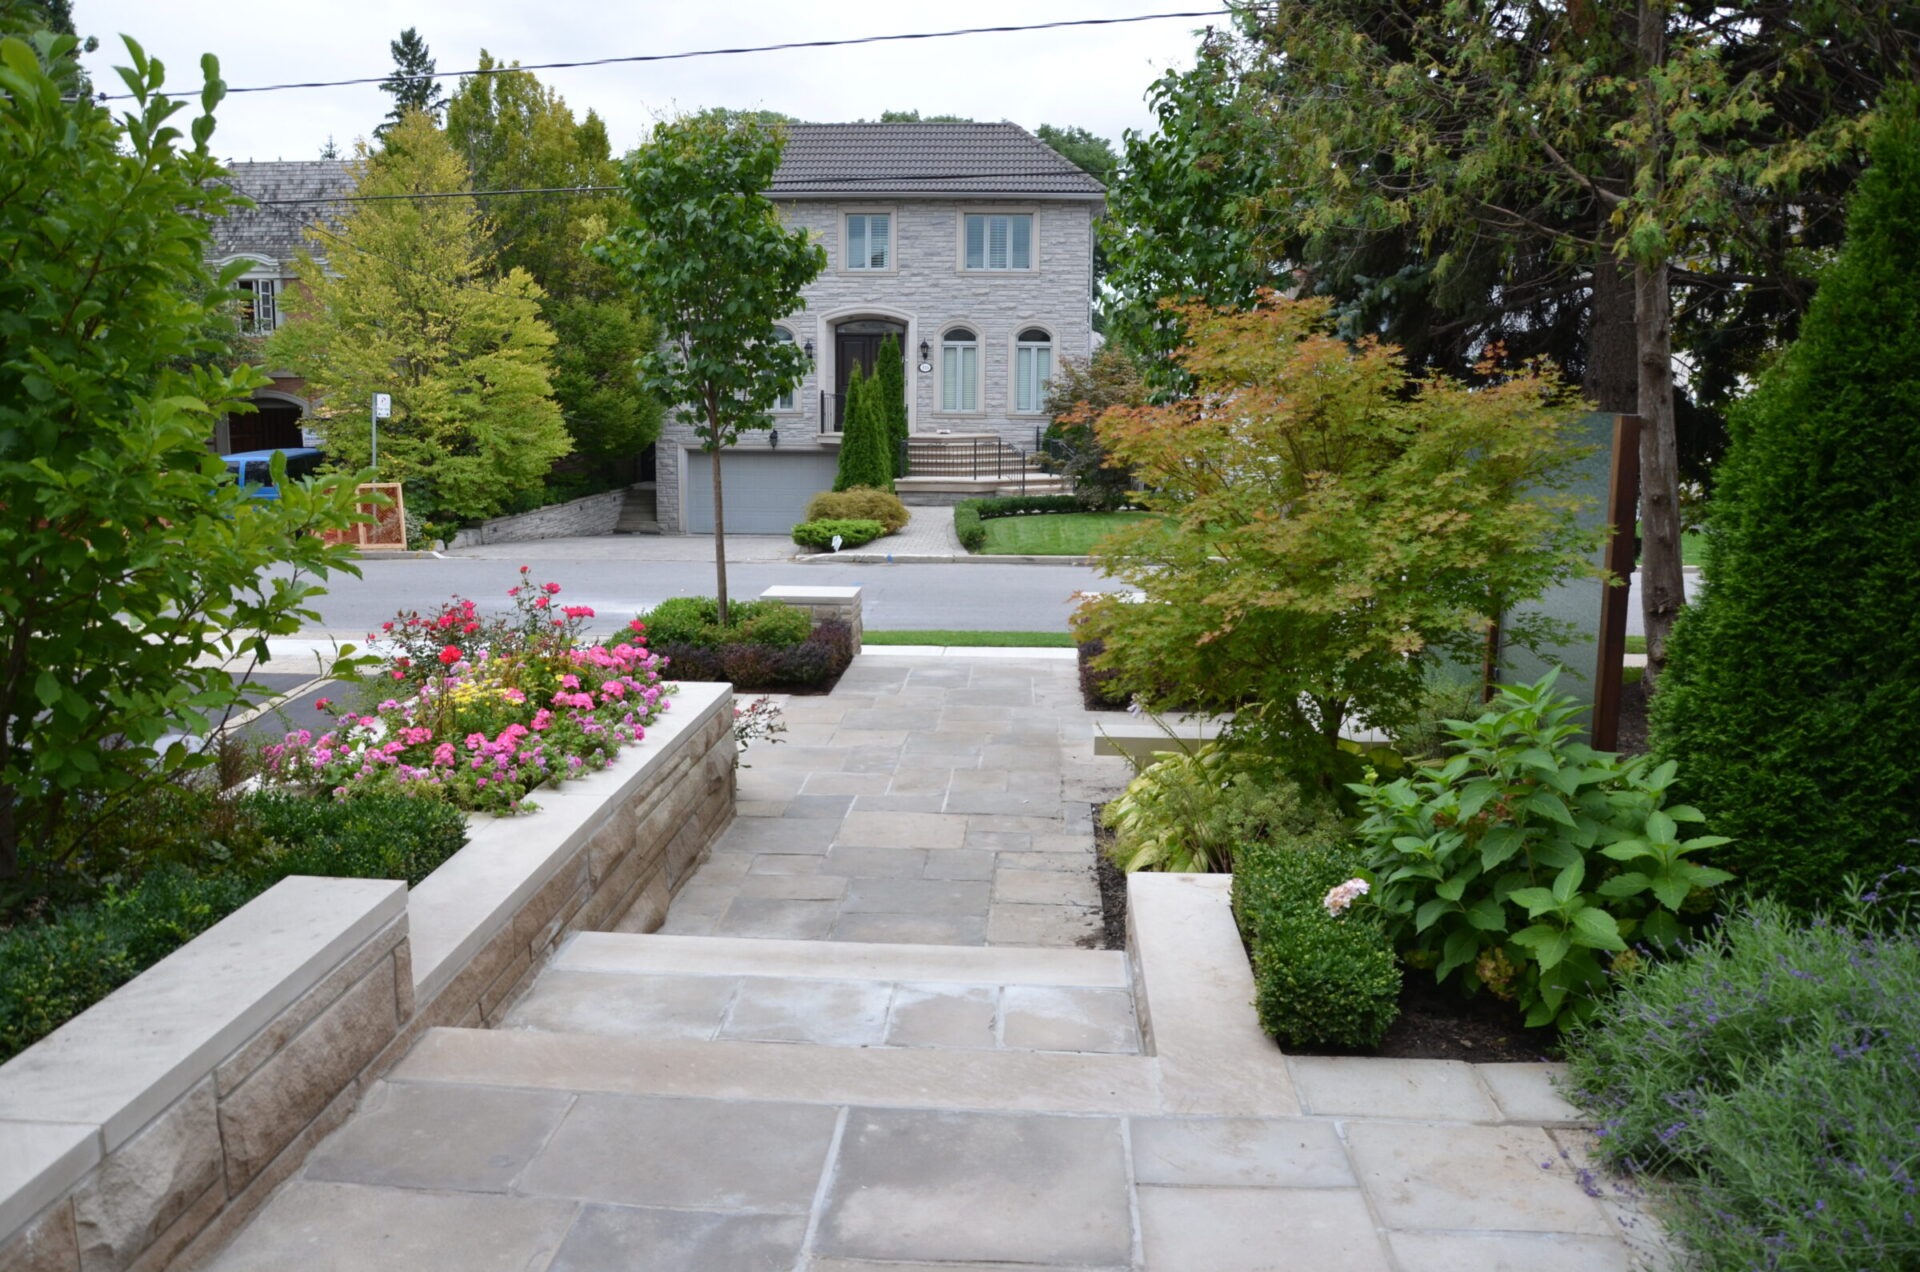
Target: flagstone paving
(723, 1097)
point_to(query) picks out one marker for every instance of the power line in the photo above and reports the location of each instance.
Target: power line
(728, 52)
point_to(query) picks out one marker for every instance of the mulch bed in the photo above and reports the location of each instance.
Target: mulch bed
(1435, 1022)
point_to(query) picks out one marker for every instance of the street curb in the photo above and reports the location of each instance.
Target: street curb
(928, 558)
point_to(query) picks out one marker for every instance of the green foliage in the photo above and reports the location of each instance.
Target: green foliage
(865, 452)
(1090, 153)
(133, 566)
(1177, 222)
(1332, 535)
(1771, 1078)
(1021, 505)
(406, 304)
(1081, 390)
(1520, 862)
(1799, 734)
(863, 503)
(890, 370)
(1320, 980)
(967, 527)
(1194, 807)
(749, 664)
(411, 84)
(695, 620)
(372, 836)
(705, 253)
(517, 134)
(853, 533)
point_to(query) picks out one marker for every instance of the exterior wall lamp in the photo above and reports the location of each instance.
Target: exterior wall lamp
(773, 438)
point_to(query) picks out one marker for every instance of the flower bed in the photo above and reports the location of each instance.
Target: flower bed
(765, 644)
(485, 710)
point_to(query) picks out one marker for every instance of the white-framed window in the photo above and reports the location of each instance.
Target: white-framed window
(259, 307)
(960, 370)
(869, 240)
(1032, 368)
(997, 241)
(785, 401)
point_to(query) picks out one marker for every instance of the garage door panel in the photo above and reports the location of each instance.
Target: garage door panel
(765, 493)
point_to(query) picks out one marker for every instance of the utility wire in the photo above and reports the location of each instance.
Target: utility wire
(396, 78)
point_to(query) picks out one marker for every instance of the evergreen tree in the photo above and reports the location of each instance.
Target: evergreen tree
(891, 372)
(411, 84)
(855, 466)
(1793, 699)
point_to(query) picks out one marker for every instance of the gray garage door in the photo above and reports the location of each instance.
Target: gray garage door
(765, 493)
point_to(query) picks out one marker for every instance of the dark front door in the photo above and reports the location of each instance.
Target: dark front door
(858, 344)
(272, 425)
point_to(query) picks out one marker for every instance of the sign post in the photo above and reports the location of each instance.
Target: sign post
(382, 410)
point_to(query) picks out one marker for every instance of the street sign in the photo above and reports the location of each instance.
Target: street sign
(383, 406)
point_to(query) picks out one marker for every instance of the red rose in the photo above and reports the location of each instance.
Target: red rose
(450, 655)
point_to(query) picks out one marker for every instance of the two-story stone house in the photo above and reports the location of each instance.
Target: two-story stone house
(268, 238)
(971, 243)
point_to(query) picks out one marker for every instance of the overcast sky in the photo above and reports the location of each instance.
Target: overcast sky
(1095, 77)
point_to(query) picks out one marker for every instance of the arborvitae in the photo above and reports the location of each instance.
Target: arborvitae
(856, 462)
(1792, 701)
(892, 374)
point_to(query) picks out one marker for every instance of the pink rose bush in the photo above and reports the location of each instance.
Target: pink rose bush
(499, 706)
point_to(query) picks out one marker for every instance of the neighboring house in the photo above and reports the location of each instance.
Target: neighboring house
(972, 243)
(269, 237)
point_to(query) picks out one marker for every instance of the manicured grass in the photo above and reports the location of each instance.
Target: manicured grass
(1053, 534)
(1636, 644)
(982, 640)
(1693, 548)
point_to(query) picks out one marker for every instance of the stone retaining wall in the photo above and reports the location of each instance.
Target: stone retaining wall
(143, 1133)
(594, 515)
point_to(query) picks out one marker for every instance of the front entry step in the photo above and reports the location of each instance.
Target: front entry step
(711, 990)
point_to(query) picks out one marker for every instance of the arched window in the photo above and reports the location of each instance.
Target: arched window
(1032, 368)
(785, 401)
(960, 370)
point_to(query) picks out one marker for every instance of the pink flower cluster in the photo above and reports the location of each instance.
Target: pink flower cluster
(1343, 895)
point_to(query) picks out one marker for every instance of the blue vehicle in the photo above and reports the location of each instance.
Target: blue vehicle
(254, 469)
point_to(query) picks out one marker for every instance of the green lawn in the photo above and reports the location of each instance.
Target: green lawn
(994, 640)
(1054, 534)
(1693, 548)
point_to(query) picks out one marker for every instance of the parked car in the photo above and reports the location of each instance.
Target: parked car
(254, 469)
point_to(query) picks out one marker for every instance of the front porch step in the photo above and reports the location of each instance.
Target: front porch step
(931, 491)
(712, 990)
(639, 511)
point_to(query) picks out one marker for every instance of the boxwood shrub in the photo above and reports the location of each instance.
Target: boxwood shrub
(966, 524)
(1320, 981)
(54, 968)
(695, 620)
(818, 535)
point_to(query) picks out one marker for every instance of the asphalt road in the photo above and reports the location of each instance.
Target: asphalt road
(961, 597)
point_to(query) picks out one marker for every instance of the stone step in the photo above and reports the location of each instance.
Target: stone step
(827, 994)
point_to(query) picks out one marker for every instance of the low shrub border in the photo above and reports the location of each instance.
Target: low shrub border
(52, 970)
(813, 664)
(819, 535)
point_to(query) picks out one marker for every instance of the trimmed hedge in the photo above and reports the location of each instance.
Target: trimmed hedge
(1021, 505)
(695, 621)
(966, 524)
(1319, 981)
(818, 535)
(1099, 689)
(812, 664)
(51, 970)
(861, 503)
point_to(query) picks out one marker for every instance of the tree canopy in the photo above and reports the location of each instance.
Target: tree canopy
(707, 257)
(411, 83)
(407, 302)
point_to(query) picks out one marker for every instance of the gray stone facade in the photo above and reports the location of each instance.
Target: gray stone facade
(927, 290)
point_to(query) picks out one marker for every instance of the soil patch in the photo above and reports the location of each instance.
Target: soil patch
(1632, 738)
(1436, 1022)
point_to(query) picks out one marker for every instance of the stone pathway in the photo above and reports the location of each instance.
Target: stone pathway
(743, 1102)
(925, 800)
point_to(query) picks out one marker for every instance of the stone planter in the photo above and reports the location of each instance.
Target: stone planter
(145, 1130)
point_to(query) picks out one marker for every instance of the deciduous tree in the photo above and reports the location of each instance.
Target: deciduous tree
(706, 255)
(407, 302)
(1330, 527)
(135, 567)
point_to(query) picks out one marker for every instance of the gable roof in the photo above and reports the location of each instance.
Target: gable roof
(836, 160)
(275, 232)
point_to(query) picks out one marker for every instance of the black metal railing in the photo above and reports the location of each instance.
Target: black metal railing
(833, 412)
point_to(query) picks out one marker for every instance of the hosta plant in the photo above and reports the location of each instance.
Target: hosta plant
(1527, 861)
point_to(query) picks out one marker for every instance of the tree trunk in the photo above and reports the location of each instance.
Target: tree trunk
(1612, 375)
(1662, 587)
(719, 518)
